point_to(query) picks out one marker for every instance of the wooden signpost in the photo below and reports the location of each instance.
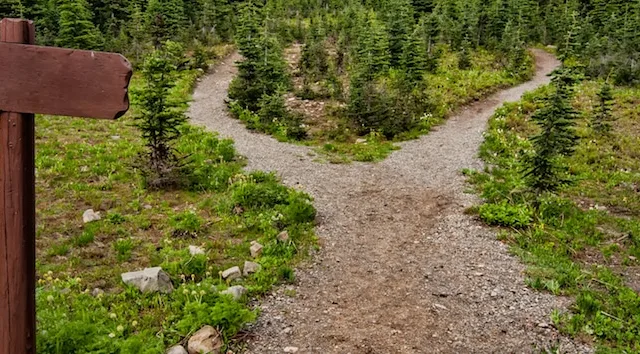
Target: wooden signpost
(44, 80)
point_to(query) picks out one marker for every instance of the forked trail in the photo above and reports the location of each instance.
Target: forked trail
(402, 268)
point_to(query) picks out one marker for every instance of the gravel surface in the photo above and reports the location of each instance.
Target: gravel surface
(401, 268)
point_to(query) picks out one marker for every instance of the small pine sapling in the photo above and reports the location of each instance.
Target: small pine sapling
(544, 171)
(602, 116)
(159, 119)
(464, 58)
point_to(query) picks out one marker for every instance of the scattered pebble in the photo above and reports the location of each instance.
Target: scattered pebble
(89, 215)
(232, 273)
(256, 249)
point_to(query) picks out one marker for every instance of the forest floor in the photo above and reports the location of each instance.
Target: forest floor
(402, 268)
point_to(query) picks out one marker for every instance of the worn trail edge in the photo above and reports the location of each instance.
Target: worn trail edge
(402, 268)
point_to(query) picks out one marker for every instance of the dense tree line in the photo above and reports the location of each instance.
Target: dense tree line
(131, 27)
(602, 33)
(372, 54)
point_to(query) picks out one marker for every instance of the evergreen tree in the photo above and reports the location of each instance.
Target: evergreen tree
(372, 49)
(464, 57)
(165, 19)
(557, 139)
(76, 26)
(314, 60)
(159, 118)
(218, 19)
(263, 70)
(414, 56)
(398, 17)
(47, 22)
(11, 9)
(602, 117)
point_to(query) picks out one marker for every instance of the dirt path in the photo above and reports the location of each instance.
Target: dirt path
(402, 269)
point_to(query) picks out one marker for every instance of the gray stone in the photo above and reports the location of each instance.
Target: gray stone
(291, 349)
(250, 267)
(283, 236)
(177, 349)
(205, 341)
(89, 215)
(97, 292)
(236, 291)
(256, 249)
(195, 250)
(149, 280)
(232, 273)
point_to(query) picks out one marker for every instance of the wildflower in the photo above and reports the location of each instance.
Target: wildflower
(120, 328)
(194, 292)
(185, 291)
(112, 315)
(202, 292)
(112, 335)
(134, 323)
(50, 298)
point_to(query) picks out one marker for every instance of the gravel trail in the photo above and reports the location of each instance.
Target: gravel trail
(402, 268)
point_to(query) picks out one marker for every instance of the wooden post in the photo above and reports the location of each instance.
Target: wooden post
(17, 219)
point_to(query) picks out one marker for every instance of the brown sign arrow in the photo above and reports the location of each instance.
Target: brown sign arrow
(64, 82)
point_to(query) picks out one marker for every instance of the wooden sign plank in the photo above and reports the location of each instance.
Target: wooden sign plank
(66, 82)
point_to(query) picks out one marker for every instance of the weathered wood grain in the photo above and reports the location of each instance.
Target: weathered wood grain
(17, 215)
(63, 82)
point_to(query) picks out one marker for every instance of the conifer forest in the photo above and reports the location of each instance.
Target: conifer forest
(359, 176)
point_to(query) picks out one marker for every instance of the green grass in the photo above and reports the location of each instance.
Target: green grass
(585, 241)
(82, 164)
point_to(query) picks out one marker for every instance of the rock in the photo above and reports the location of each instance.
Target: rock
(89, 215)
(149, 280)
(361, 141)
(115, 137)
(287, 330)
(206, 340)
(236, 291)
(147, 206)
(494, 293)
(291, 349)
(84, 169)
(283, 236)
(232, 273)
(251, 267)
(177, 349)
(543, 325)
(195, 250)
(97, 292)
(256, 249)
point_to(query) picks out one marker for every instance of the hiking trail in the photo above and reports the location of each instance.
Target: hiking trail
(402, 268)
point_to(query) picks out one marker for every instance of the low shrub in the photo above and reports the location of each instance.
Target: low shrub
(505, 214)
